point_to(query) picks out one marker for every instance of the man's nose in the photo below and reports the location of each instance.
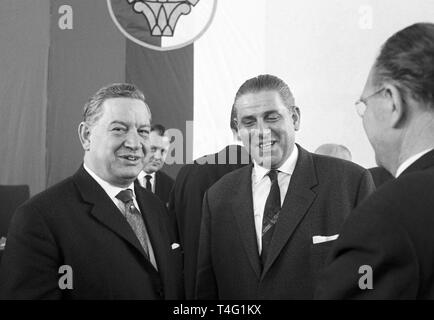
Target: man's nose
(132, 140)
(262, 129)
(157, 154)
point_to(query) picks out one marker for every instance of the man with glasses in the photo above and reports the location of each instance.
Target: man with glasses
(386, 249)
(267, 227)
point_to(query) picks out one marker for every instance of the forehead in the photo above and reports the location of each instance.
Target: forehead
(126, 110)
(259, 102)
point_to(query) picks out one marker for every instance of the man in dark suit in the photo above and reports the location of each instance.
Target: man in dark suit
(95, 235)
(186, 199)
(152, 178)
(266, 228)
(386, 248)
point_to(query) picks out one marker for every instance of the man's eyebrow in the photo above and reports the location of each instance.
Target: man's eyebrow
(119, 122)
(248, 117)
(270, 112)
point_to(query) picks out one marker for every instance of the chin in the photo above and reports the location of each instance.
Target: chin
(130, 173)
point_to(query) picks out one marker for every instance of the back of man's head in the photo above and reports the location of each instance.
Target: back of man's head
(407, 61)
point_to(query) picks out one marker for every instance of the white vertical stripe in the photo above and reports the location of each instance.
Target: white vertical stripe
(231, 51)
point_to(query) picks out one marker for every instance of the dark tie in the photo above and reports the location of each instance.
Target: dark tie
(148, 178)
(271, 213)
(134, 218)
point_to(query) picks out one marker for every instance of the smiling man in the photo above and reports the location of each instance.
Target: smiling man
(267, 228)
(112, 241)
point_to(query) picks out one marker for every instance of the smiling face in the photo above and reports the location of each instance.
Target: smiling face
(267, 127)
(159, 145)
(117, 142)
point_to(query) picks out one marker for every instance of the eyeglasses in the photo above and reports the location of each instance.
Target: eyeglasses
(361, 104)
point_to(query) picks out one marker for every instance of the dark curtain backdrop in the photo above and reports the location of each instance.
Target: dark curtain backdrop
(82, 60)
(24, 43)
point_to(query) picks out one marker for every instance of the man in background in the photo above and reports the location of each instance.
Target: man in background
(152, 178)
(386, 249)
(186, 198)
(334, 150)
(94, 235)
(267, 227)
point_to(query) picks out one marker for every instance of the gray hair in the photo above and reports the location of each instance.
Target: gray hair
(407, 61)
(93, 107)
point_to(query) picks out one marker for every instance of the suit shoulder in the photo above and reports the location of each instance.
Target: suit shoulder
(229, 180)
(165, 177)
(400, 198)
(54, 194)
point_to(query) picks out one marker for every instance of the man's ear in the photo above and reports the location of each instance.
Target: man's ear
(296, 118)
(396, 107)
(84, 131)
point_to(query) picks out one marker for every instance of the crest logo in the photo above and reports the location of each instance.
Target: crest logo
(162, 24)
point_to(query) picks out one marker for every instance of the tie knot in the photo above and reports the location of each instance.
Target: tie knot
(273, 175)
(125, 195)
(148, 177)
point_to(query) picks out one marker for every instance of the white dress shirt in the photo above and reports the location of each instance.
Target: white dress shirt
(261, 186)
(142, 179)
(407, 163)
(112, 191)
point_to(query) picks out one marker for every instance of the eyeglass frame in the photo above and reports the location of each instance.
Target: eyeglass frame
(364, 102)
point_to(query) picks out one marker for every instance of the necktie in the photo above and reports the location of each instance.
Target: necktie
(134, 218)
(271, 214)
(148, 178)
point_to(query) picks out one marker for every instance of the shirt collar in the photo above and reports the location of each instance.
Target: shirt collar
(110, 189)
(287, 167)
(142, 175)
(407, 163)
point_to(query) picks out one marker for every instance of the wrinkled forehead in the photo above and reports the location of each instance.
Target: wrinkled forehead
(127, 110)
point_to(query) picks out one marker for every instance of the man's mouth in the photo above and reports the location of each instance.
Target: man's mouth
(266, 145)
(130, 157)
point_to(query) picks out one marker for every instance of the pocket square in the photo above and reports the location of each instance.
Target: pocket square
(175, 246)
(321, 239)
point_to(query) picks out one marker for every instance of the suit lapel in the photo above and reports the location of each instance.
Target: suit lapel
(103, 209)
(244, 215)
(298, 200)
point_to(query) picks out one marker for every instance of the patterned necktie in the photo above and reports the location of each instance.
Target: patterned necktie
(148, 185)
(134, 218)
(271, 214)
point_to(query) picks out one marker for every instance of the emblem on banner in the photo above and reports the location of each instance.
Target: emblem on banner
(162, 24)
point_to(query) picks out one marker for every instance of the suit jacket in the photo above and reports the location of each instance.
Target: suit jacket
(75, 223)
(186, 202)
(392, 233)
(321, 194)
(163, 186)
(380, 175)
